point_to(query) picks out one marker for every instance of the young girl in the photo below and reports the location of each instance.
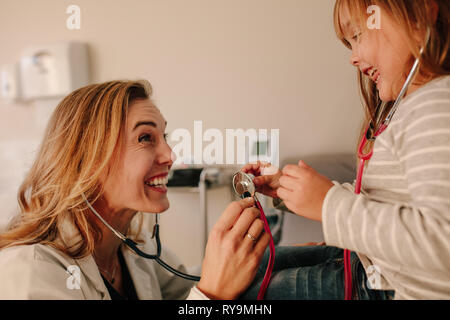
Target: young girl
(398, 228)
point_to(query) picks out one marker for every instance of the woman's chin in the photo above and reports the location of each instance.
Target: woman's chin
(160, 207)
(154, 206)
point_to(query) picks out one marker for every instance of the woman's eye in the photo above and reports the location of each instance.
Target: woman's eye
(145, 138)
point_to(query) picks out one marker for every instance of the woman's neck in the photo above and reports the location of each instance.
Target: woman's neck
(106, 249)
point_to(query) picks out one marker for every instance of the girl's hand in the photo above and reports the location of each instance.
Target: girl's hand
(310, 244)
(232, 258)
(303, 190)
(266, 177)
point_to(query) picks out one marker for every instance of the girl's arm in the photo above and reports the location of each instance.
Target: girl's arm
(415, 233)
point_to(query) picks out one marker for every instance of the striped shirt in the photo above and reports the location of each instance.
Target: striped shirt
(400, 224)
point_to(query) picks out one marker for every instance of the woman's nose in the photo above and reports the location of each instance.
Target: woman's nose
(165, 155)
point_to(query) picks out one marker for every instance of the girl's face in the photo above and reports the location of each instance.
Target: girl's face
(139, 181)
(381, 54)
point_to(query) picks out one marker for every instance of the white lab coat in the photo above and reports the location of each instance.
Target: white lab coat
(41, 272)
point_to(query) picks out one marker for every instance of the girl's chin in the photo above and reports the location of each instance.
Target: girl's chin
(385, 95)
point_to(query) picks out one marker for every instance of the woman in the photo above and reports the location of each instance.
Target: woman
(107, 142)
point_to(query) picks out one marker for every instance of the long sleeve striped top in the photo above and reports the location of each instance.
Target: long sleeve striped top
(400, 224)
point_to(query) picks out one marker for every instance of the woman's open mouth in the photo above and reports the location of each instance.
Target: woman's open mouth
(158, 183)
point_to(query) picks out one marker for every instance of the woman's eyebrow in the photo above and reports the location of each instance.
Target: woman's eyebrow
(145, 123)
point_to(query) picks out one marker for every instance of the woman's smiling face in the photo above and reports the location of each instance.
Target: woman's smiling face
(382, 54)
(138, 182)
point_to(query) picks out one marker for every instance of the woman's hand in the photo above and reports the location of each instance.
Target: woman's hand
(232, 257)
(303, 190)
(266, 177)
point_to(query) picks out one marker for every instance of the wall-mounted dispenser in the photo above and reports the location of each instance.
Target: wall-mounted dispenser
(9, 83)
(53, 70)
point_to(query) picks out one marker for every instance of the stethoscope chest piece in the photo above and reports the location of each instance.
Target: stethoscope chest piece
(243, 185)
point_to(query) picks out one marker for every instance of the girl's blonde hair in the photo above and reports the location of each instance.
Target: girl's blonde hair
(411, 16)
(79, 146)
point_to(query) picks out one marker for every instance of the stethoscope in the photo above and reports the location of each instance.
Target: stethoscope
(134, 245)
(244, 187)
(372, 132)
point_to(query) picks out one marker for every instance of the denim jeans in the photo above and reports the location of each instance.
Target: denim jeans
(312, 273)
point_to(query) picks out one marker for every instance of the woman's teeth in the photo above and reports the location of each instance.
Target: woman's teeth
(158, 181)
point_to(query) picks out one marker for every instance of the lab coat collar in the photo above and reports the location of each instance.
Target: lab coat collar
(69, 236)
(143, 276)
(141, 272)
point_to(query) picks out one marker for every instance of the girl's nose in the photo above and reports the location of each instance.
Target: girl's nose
(354, 59)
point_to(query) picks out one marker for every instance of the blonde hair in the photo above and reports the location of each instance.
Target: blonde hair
(410, 15)
(79, 145)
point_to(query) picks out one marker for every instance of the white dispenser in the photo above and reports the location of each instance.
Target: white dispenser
(54, 70)
(9, 83)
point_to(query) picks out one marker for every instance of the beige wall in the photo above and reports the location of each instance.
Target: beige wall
(272, 64)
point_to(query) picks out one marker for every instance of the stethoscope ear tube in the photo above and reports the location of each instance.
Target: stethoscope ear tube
(134, 245)
(371, 135)
(176, 272)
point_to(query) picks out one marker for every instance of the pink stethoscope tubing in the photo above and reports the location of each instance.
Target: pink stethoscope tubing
(268, 274)
(363, 157)
(244, 187)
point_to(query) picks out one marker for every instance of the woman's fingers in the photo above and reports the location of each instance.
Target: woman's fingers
(244, 222)
(232, 212)
(261, 245)
(255, 230)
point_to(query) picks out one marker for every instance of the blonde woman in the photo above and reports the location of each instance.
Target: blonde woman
(106, 142)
